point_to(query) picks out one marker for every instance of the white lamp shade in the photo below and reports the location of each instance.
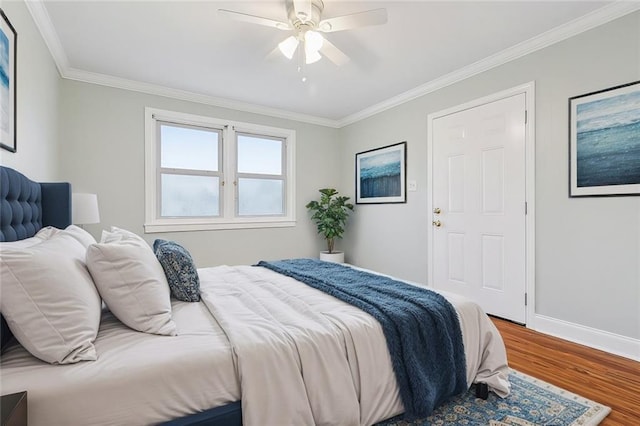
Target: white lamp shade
(312, 44)
(288, 47)
(313, 40)
(84, 208)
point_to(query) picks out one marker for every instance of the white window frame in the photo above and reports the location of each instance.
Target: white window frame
(228, 218)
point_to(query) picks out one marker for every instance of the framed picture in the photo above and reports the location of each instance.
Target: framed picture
(8, 60)
(381, 175)
(604, 142)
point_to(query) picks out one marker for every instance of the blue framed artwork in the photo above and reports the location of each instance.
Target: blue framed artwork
(604, 142)
(381, 175)
(7, 84)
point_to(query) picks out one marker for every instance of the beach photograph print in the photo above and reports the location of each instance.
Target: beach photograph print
(381, 175)
(7, 85)
(605, 142)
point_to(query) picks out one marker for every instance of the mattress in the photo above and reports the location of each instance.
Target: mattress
(222, 354)
(138, 378)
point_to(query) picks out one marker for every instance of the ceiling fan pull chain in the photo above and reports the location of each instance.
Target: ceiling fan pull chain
(301, 65)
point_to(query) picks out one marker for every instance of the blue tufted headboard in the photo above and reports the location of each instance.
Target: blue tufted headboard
(25, 207)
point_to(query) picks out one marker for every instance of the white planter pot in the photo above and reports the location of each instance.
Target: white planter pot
(336, 256)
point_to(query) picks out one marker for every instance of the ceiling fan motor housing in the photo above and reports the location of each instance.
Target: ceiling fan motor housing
(299, 19)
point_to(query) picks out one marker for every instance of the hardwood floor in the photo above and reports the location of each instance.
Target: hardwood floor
(608, 379)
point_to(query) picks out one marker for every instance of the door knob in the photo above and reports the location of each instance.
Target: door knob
(437, 210)
(437, 223)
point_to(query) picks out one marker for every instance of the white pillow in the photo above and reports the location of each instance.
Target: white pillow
(47, 232)
(132, 283)
(49, 300)
(83, 237)
(20, 244)
(42, 235)
(119, 234)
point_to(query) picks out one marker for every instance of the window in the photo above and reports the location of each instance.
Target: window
(190, 170)
(261, 175)
(204, 173)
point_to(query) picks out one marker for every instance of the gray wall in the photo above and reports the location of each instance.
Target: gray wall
(37, 105)
(587, 249)
(102, 141)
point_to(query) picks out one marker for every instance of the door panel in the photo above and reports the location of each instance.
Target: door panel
(479, 186)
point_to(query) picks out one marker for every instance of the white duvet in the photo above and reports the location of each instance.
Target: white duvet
(305, 358)
(295, 356)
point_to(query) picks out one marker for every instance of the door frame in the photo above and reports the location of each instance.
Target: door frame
(530, 185)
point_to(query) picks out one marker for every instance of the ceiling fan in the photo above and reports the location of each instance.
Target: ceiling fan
(305, 20)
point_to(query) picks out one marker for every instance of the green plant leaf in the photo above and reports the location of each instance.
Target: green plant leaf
(330, 215)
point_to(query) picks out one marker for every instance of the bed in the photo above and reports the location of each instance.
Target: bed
(259, 347)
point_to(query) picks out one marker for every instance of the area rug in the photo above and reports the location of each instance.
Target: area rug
(532, 402)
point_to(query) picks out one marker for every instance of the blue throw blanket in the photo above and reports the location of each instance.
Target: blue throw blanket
(421, 328)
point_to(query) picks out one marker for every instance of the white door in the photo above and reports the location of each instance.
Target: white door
(478, 216)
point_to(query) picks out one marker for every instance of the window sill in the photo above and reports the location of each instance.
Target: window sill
(150, 228)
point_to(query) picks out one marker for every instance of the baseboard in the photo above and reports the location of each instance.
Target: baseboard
(592, 337)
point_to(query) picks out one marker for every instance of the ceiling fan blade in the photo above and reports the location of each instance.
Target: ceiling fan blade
(347, 22)
(332, 53)
(254, 19)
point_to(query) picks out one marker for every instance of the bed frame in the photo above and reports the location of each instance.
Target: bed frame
(26, 207)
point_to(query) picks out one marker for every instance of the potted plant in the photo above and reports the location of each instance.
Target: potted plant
(330, 215)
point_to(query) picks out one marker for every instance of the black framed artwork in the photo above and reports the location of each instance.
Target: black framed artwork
(8, 58)
(604, 142)
(381, 175)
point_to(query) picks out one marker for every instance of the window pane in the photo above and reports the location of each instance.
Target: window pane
(259, 155)
(260, 197)
(190, 196)
(188, 148)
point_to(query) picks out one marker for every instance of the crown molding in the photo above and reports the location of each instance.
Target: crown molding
(42, 19)
(596, 18)
(591, 20)
(167, 92)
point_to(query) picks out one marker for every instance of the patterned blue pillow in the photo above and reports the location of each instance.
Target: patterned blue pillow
(180, 270)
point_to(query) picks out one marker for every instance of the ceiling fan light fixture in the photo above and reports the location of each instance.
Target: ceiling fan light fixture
(312, 45)
(311, 56)
(305, 20)
(313, 41)
(288, 46)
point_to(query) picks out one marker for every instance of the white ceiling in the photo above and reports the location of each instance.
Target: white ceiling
(185, 49)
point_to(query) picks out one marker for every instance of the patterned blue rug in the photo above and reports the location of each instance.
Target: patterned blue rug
(532, 402)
